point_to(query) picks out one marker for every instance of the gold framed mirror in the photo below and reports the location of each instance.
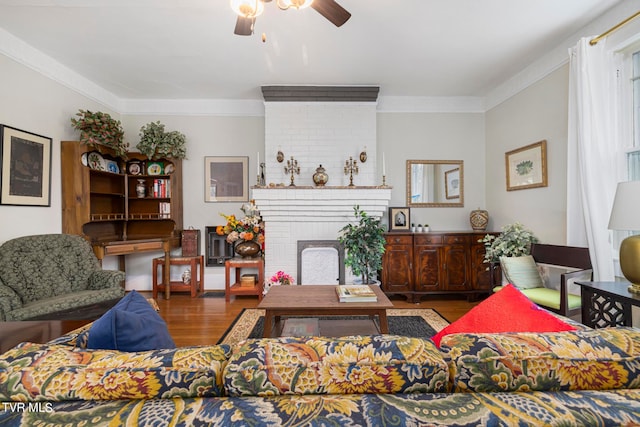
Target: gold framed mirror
(435, 183)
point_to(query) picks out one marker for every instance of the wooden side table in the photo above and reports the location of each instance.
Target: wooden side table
(235, 288)
(196, 265)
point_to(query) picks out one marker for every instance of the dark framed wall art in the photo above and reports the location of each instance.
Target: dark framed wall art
(399, 219)
(25, 178)
(226, 179)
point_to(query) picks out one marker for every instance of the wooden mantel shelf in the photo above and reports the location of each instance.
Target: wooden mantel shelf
(326, 187)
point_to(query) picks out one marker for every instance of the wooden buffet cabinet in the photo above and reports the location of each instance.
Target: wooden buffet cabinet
(103, 206)
(418, 264)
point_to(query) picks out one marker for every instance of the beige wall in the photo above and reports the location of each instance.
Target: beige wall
(536, 113)
(435, 136)
(206, 136)
(34, 103)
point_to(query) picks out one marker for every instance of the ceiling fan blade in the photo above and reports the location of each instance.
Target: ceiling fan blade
(244, 26)
(332, 11)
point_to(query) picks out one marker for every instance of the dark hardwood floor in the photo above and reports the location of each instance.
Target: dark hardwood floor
(202, 321)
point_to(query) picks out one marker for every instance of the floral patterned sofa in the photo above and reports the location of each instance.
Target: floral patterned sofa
(54, 276)
(584, 377)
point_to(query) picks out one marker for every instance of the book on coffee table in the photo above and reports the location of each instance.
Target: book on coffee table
(355, 293)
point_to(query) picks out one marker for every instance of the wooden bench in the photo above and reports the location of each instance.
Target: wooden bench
(562, 257)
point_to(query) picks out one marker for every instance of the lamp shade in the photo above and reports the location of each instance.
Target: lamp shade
(625, 214)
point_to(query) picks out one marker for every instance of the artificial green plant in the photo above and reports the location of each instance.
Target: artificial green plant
(364, 245)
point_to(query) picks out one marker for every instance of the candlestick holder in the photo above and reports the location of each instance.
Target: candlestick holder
(292, 168)
(350, 167)
(260, 181)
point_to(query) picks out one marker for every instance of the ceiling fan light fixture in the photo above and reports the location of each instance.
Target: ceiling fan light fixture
(297, 4)
(247, 8)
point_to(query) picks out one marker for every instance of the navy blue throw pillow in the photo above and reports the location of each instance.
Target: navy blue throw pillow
(130, 325)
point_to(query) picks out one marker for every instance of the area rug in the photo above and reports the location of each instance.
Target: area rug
(410, 322)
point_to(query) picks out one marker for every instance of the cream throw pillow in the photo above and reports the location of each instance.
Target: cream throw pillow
(521, 271)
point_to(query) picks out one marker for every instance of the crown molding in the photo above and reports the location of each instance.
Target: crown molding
(559, 55)
(195, 107)
(30, 57)
(431, 104)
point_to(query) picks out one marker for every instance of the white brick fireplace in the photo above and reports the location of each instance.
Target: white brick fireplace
(310, 213)
(317, 126)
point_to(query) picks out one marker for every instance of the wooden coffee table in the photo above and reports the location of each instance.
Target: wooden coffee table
(318, 300)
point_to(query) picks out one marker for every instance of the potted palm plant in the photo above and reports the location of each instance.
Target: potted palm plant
(364, 244)
(98, 128)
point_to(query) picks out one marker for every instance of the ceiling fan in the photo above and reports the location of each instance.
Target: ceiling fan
(248, 10)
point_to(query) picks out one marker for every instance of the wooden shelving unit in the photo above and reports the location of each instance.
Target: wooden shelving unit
(103, 206)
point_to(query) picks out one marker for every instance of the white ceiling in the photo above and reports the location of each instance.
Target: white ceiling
(186, 49)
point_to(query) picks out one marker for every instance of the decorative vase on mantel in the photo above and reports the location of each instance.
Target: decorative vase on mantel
(320, 178)
(479, 219)
(247, 249)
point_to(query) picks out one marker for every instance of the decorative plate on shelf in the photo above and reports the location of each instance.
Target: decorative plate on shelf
(169, 169)
(84, 160)
(155, 168)
(134, 167)
(112, 166)
(96, 161)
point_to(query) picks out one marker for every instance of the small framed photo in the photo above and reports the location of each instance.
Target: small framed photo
(526, 167)
(25, 168)
(226, 179)
(452, 184)
(399, 219)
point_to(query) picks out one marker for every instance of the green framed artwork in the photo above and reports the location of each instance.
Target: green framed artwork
(526, 167)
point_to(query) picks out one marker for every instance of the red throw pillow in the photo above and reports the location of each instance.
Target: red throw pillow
(508, 310)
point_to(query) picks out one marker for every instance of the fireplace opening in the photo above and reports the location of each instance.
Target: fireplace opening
(218, 250)
(320, 262)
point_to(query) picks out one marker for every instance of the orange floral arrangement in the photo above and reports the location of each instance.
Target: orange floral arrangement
(248, 229)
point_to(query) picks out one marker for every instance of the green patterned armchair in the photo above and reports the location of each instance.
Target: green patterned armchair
(54, 276)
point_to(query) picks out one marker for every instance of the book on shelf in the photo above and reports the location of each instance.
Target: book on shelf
(165, 210)
(355, 293)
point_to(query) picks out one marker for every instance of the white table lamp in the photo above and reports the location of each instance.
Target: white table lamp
(625, 215)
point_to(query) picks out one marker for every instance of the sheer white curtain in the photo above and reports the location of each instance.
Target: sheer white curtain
(593, 147)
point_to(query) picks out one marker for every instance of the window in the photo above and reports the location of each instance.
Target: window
(633, 154)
